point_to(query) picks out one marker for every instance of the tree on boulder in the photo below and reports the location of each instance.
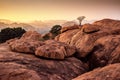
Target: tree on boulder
(9, 33)
(80, 19)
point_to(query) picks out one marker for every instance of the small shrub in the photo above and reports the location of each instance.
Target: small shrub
(9, 33)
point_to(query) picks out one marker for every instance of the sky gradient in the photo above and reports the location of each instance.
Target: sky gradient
(28, 10)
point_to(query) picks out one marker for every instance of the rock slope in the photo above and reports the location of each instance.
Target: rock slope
(20, 66)
(110, 72)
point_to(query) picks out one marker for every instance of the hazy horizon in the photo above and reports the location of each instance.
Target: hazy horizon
(31, 10)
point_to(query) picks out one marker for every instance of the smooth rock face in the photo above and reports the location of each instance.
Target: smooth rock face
(66, 28)
(106, 51)
(88, 28)
(32, 35)
(55, 50)
(19, 66)
(84, 40)
(110, 72)
(67, 36)
(25, 46)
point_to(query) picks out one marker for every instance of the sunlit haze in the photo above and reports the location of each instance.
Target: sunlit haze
(29, 10)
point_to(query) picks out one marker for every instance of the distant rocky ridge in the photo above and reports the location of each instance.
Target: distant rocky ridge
(86, 52)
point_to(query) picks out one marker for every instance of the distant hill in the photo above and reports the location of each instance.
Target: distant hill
(23, 25)
(45, 26)
(39, 26)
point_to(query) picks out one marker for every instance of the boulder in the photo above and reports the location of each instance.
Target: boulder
(55, 50)
(84, 39)
(67, 36)
(32, 35)
(106, 51)
(66, 28)
(110, 72)
(17, 66)
(88, 28)
(25, 46)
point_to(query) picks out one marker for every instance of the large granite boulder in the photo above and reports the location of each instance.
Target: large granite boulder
(66, 28)
(25, 46)
(110, 72)
(66, 36)
(27, 43)
(32, 35)
(17, 66)
(55, 50)
(106, 51)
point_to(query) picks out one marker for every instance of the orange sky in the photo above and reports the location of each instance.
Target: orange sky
(28, 10)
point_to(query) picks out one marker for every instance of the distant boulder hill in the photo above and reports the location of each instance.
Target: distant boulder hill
(79, 52)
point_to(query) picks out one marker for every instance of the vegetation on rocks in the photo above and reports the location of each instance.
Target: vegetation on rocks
(9, 33)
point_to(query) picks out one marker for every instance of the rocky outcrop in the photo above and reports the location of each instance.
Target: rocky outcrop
(66, 28)
(110, 72)
(27, 43)
(19, 66)
(67, 36)
(32, 35)
(55, 50)
(25, 46)
(85, 38)
(49, 49)
(106, 51)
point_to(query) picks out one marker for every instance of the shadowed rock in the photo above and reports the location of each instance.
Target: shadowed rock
(110, 72)
(106, 51)
(55, 50)
(18, 66)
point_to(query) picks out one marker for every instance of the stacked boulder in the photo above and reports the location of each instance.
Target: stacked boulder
(30, 43)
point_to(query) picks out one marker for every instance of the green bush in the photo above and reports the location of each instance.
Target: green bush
(55, 30)
(9, 33)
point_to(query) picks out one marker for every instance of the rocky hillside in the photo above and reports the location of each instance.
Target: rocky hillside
(87, 52)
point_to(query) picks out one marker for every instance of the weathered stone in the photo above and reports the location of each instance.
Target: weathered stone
(55, 50)
(67, 36)
(17, 66)
(88, 28)
(84, 39)
(106, 51)
(66, 28)
(25, 46)
(32, 35)
(110, 72)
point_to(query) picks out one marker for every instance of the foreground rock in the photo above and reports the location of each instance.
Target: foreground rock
(110, 72)
(85, 38)
(18, 66)
(106, 51)
(55, 50)
(25, 46)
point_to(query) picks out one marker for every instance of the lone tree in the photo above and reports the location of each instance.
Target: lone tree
(9, 33)
(80, 19)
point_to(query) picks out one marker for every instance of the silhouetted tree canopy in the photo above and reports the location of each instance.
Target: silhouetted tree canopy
(9, 33)
(55, 30)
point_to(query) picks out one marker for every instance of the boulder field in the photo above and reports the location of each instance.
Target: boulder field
(86, 52)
